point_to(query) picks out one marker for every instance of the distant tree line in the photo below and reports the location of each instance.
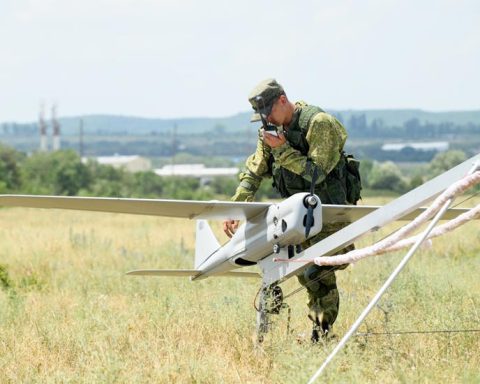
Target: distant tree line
(407, 154)
(357, 124)
(14, 129)
(413, 129)
(63, 173)
(387, 176)
(366, 137)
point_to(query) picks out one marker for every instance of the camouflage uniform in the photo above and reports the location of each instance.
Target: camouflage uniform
(315, 141)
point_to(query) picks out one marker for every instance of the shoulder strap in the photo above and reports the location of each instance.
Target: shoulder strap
(306, 114)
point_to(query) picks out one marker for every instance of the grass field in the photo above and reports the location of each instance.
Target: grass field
(69, 314)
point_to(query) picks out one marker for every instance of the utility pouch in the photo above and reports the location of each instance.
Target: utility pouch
(353, 180)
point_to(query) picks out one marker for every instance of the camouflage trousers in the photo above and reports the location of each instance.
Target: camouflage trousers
(321, 284)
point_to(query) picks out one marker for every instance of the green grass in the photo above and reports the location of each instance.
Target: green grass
(69, 314)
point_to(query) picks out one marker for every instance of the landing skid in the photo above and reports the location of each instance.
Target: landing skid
(270, 303)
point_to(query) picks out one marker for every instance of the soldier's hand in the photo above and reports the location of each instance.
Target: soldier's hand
(230, 227)
(274, 141)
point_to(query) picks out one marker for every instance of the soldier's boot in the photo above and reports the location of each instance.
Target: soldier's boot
(315, 338)
(321, 328)
(323, 299)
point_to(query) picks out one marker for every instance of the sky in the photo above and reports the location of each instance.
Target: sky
(186, 58)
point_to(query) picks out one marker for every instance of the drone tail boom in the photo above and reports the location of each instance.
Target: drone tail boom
(205, 242)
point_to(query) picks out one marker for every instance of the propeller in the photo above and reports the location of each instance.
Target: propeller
(310, 203)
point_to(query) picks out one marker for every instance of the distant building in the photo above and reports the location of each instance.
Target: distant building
(438, 146)
(133, 163)
(195, 170)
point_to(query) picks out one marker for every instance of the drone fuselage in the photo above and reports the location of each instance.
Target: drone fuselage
(281, 225)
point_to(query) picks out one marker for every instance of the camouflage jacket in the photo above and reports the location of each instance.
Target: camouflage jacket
(318, 147)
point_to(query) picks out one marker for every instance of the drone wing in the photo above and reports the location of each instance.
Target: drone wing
(188, 209)
(352, 213)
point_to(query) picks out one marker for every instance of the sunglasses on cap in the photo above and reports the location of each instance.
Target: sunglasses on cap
(261, 108)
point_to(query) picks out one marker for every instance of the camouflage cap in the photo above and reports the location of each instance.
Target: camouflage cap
(263, 97)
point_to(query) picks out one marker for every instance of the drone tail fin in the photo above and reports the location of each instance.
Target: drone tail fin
(206, 242)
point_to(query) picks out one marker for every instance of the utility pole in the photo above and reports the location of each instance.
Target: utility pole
(174, 147)
(56, 129)
(80, 129)
(174, 152)
(43, 129)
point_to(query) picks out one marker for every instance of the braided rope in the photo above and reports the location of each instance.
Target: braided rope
(397, 240)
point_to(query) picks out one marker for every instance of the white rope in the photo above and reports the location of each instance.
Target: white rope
(397, 240)
(453, 224)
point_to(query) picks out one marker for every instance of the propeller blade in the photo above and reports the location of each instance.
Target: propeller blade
(309, 221)
(310, 202)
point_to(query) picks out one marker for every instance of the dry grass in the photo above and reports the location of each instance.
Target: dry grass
(69, 314)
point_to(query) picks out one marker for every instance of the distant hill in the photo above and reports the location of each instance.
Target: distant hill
(138, 125)
(241, 121)
(130, 125)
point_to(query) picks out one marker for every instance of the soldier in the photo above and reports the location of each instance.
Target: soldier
(308, 146)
